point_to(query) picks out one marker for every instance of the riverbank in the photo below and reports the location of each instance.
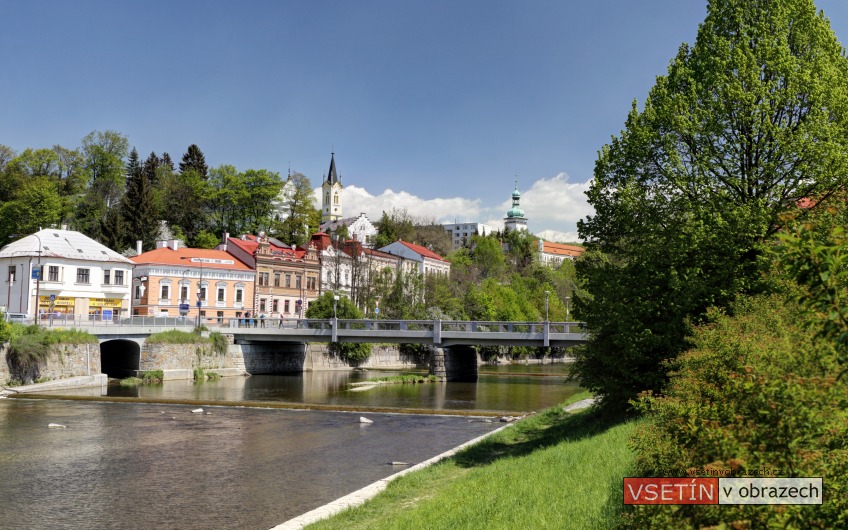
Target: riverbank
(554, 469)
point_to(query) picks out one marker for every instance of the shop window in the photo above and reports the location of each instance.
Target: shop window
(83, 276)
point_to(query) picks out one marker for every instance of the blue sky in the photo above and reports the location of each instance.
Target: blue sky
(431, 106)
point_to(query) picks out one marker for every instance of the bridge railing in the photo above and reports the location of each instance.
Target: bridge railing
(226, 324)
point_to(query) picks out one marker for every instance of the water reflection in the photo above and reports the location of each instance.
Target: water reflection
(512, 391)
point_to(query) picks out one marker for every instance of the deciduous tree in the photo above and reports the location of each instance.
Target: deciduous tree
(748, 121)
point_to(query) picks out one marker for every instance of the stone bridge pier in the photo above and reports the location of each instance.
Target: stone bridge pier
(454, 363)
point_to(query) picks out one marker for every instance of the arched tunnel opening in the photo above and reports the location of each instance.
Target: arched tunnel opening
(120, 358)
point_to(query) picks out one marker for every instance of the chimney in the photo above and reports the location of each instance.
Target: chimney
(161, 244)
(138, 247)
(226, 238)
(174, 244)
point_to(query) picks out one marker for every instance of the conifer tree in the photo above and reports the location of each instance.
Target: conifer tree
(193, 159)
(138, 208)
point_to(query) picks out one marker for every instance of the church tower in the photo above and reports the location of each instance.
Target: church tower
(331, 194)
(515, 219)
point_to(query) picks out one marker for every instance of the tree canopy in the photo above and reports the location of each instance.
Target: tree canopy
(748, 122)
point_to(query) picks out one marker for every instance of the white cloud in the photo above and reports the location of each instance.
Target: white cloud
(552, 205)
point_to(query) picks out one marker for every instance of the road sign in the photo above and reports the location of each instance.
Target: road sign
(52, 298)
(36, 274)
(198, 303)
(376, 310)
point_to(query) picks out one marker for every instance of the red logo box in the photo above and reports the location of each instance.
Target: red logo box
(670, 490)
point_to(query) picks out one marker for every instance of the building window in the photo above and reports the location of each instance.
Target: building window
(221, 295)
(263, 279)
(12, 273)
(335, 198)
(286, 306)
(275, 306)
(165, 292)
(137, 292)
(276, 279)
(53, 273)
(184, 292)
(239, 295)
(106, 277)
(347, 278)
(262, 304)
(297, 281)
(119, 277)
(203, 293)
(288, 280)
(83, 276)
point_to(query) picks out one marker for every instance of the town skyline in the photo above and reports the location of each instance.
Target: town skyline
(429, 107)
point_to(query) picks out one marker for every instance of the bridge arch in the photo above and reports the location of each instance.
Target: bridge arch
(120, 357)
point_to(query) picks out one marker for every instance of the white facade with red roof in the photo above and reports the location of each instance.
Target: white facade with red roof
(553, 254)
(177, 281)
(417, 258)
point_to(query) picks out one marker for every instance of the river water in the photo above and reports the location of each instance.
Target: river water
(141, 465)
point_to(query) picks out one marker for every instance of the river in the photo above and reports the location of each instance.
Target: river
(141, 465)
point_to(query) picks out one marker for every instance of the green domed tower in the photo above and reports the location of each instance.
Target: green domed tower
(515, 219)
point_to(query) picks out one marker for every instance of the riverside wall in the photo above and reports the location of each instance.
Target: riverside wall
(183, 356)
(65, 360)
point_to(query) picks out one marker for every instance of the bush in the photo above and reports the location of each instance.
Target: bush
(131, 381)
(220, 345)
(152, 377)
(757, 391)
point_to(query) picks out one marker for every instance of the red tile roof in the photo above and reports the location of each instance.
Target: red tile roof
(560, 249)
(250, 243)
(185, 257)
(423, 251)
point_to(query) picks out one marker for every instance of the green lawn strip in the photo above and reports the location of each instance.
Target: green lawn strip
(399, 379)
(551, 470)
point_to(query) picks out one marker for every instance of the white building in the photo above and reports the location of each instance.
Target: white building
(336, 267)
(461, 232)
(359, 229)
(79, 276)
(417, 258)
(553, 254)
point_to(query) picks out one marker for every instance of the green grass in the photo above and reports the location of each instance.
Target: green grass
(176, 337)
(130, 381)
(551, 470)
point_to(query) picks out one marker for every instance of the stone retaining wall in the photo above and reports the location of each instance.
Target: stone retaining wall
(65, 360)
(182, 356)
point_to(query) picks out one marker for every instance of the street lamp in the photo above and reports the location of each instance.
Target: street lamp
(567, 298)
(547, 294)
(335, 301)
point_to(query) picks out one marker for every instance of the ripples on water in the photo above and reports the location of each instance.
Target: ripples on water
(119, 465)
(157, 466)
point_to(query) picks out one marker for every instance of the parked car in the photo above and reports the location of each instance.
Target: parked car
(20, 318)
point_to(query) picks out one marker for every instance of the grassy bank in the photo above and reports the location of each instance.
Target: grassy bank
(551, 470)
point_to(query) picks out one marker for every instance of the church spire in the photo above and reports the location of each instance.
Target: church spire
(332, 177)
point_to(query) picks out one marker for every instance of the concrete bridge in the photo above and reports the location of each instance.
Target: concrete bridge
(271, 345)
